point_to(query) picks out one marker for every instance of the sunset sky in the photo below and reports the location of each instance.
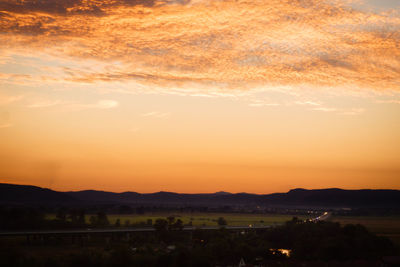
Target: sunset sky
(199, 96)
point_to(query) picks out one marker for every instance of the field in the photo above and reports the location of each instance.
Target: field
(203, 219)
(384, 226)
(210, 219)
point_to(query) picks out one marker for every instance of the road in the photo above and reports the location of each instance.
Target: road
(121, 230)
(322, 217)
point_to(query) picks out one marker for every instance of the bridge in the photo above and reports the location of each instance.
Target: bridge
(122, 230)
(82, 234)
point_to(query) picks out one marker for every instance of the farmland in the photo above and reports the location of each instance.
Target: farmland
(388, 226)
(201, 219)
(210, 219)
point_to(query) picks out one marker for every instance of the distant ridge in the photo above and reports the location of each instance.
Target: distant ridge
(11, 193)
(222, 193)
(331, 197)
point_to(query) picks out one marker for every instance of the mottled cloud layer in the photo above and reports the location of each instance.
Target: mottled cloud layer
(225, 44)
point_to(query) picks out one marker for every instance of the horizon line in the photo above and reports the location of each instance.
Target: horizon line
(216, 192)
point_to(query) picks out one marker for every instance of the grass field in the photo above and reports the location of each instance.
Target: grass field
(203, 219)
(210, 219)
(384, 226)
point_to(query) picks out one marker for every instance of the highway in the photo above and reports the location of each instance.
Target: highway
(322, 217)
(121, 230)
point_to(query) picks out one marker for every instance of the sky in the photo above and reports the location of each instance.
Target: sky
(200, 96)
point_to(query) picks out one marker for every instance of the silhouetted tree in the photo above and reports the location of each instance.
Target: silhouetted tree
(221, 221)
(73, 216)
(161, 225)
(81, 216)
(178, 225)
(171, 220)
(102, 219)
(62, 214)
(93, 220)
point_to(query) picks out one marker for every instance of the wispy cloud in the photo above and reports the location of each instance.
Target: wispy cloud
(44, 104)
(340, 111)
(72, 105)
(392, 101)
(156, 114)
(325, 109)
(353, 111)
(308, 103)
(263, 103)
(106, 104)
(101, 104)
(212, 44)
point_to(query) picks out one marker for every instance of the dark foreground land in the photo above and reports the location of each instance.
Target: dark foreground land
(41, 227)
(309, 244)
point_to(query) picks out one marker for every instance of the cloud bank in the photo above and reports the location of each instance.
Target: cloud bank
(222, 44)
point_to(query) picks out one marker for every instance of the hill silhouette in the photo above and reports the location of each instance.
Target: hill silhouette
(10, 193)
(332, 197)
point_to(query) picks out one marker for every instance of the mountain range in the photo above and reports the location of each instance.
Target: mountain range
(331, 197)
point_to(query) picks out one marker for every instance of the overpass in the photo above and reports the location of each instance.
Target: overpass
(121, 230)
(127, 231)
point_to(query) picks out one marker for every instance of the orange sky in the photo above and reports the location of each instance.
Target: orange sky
(200, 96)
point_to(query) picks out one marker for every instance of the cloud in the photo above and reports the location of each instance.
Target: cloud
(325, 109)
(71, 105)
(340, 111)
(353, 111)
(392, 101)
(308, 103)
(44, 104)
(214, 45)
(263, 103)
(106, 104)
(77, 7)
(156, 114)
(101, 104)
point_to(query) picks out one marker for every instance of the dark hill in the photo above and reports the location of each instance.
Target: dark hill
(340, 197)
(297, 197)
(26, 194)
(103, 196)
